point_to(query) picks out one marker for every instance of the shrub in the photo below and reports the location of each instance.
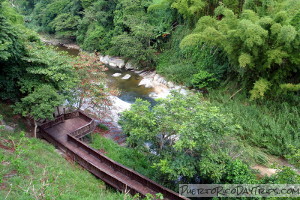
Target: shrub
(203, 79)
(294, 156)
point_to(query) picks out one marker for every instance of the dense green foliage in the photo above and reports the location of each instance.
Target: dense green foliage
(274, 127)
(248, 47)
(183, 132)
(263, 48)
(256, 41)
(192, 141)
(188, 66)
(36, 77)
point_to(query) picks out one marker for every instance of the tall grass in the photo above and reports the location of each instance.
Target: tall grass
(270, 125)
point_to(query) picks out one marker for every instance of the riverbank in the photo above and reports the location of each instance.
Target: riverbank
(47, 39)
(151, 79)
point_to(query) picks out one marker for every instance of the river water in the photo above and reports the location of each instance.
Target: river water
(129, 89)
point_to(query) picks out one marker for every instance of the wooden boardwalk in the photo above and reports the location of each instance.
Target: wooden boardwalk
(65, 133)
(61, 130)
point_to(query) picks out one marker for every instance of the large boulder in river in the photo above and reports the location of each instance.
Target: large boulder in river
(156, 77)
(117, 107)
(8, 128)
(129, 66)
(116, 74)
(147, 82)
(116, 62)
(104, 59)
(112, 61)
(170, 84)
(127, 76)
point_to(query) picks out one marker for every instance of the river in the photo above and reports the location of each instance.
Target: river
(129, 89)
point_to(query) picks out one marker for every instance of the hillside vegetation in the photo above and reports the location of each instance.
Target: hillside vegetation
(200, 43)
(241, 57)
(244, 53)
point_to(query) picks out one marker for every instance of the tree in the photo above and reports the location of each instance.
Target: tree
(132, 48)
(190, 9)
(133, 32)
(188, 137)
(31, 74)
(65, 25)
(92, 90)
(40, 104)
(262, 49)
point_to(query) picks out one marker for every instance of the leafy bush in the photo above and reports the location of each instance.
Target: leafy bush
(238, 172)
(203, 79)
(65, 25)
(132, 48)
(181, 65)
(92, 38)
(285, 175)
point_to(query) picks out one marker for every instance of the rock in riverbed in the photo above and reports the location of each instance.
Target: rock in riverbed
(116, 74)
(129, 66)
(112, 61)
(127, 76)
(9, 128)
(147, 82)
(116, 62)
(104, 59)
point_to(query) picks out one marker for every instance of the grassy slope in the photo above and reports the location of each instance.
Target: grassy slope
(36, 170)
(32, 169)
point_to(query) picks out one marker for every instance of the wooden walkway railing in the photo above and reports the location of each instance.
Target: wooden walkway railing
(111, 172)
(82, 131)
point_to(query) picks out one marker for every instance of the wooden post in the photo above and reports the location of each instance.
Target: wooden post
(58, 113)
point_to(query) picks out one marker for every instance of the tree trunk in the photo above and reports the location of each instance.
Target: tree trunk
(80, 103)
(57, 108)
(35, 127)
